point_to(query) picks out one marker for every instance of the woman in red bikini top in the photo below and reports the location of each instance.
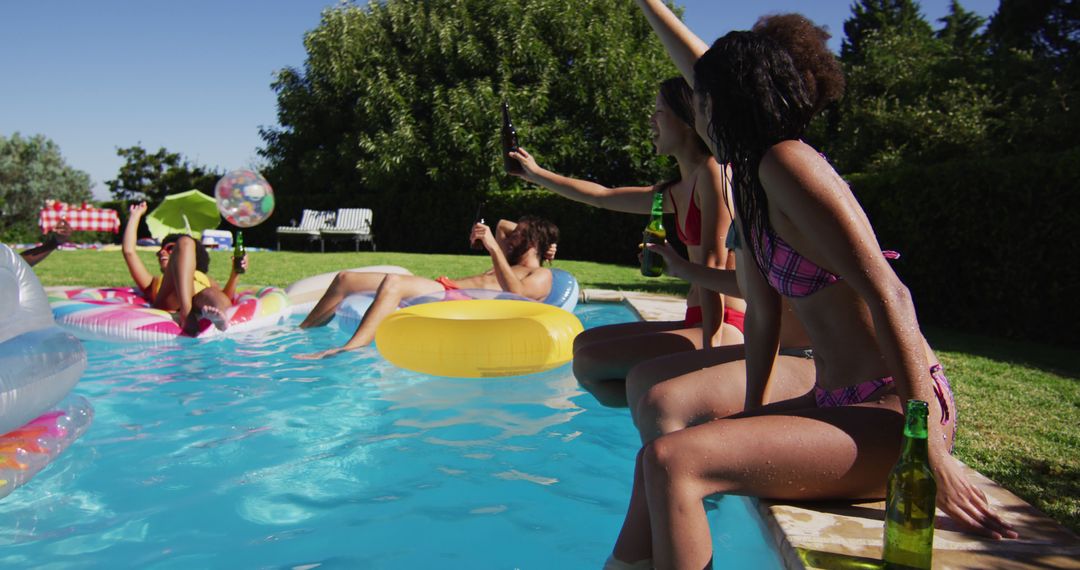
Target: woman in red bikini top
(604, 355)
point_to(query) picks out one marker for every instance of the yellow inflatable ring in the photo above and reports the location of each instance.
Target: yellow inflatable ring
(478, 338)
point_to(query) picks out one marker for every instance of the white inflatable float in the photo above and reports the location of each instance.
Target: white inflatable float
(39, 365)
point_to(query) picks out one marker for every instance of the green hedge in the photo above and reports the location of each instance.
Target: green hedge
(989, 245)
(428, 222)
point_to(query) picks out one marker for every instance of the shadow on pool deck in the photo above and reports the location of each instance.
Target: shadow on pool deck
(835, 535)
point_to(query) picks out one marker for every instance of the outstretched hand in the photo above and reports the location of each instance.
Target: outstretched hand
(62, 232)
(137, 210)
(967, 504)
(321, 354)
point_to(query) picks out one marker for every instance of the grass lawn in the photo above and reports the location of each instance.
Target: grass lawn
(1019, 403)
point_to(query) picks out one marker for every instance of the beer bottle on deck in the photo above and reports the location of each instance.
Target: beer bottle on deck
(652, 263)
(911, 498)
(238, 253)
(509, 143)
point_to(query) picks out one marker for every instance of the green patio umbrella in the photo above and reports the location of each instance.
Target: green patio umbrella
(188, 212)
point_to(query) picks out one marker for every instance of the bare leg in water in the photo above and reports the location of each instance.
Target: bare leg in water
(388, 296)
(344, 284)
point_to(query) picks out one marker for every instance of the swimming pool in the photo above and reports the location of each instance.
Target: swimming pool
(231, 454)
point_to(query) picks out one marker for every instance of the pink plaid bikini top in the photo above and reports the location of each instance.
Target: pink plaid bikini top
(791, 274)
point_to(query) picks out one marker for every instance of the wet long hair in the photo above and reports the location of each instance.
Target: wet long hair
(678, 96)
(758, 99)
(538, 233)
(202, 257)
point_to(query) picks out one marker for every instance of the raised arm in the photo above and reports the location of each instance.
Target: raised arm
(59, 235)
(142, 277)
(234, 277)
(534, 286)
(632, 199)
(682, 45)
(823, 207)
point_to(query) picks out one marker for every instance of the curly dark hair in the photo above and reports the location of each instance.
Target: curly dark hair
(538, 233)
(758, 99)
(807, 44)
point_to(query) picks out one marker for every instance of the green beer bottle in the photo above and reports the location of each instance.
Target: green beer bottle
(911, 498)
(238, 253)
(652, 264)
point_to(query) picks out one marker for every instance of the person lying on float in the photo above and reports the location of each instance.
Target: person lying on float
(516, 268)
(184, 286)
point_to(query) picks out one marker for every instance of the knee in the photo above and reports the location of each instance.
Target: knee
(392, 282)
(660, 459)
(186, 244)
(583, 339)
(653, 401)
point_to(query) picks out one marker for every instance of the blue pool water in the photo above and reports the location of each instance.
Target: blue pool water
(231, 454)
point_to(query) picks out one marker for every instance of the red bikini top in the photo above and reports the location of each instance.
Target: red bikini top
(692, 235)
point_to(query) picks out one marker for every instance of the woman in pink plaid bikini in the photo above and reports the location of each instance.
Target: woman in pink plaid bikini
(812, 244)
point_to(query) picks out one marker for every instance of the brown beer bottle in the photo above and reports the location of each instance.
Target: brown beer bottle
(509, 143)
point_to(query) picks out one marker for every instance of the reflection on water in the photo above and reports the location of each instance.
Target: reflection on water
(230, 453)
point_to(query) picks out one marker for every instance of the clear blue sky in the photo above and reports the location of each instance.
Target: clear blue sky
(194, 76)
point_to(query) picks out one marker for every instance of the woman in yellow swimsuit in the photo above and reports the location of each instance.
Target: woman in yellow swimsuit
(183, 286)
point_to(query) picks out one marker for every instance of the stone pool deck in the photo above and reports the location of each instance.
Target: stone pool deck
(838, 535)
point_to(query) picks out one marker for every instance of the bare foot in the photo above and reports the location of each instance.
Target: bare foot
(214, 315)
(319, 355)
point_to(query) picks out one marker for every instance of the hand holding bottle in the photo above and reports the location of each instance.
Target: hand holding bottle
(239, 255)
(674, 264)
(482, 234)
(529, 168)
(652, 264)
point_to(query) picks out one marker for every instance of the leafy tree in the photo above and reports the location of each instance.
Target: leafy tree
(398, 102)
(912, 94)
(1047, 28)
(870, 16)
(32, 170)
(1036, 47)
(151, 177)
(960, 30)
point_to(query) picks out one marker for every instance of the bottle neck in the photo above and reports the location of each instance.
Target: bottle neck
(915, 428)
(914, 447)
(658, 205)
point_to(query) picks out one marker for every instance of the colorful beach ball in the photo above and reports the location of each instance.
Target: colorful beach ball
(244, 197)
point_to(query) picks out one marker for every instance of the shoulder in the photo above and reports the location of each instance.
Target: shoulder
(788, 154)
(791, 163)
